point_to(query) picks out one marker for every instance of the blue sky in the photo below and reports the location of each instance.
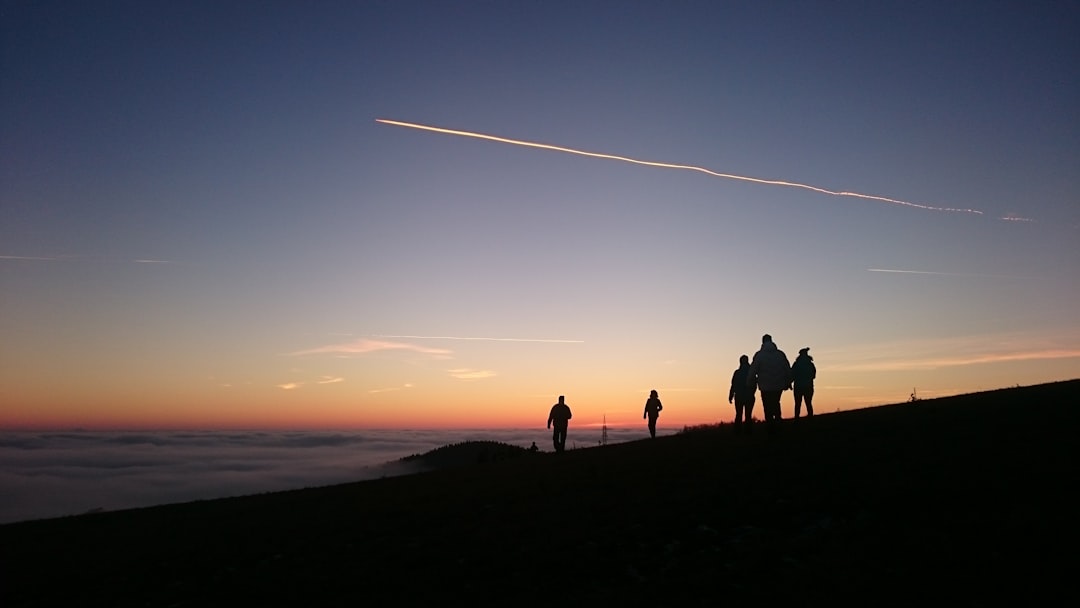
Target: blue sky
(203, 225)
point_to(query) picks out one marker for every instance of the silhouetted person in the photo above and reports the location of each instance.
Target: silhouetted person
(560, 416)
(533, 448)
(652, 411)
(803, 373)
(742, 394)
(772, 372)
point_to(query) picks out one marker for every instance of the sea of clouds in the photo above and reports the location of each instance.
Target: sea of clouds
(53, 474)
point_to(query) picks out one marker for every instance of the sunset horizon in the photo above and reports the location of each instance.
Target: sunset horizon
(679, 413)
(431, 215)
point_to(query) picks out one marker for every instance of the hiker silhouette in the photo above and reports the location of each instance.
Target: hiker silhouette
(560, 416)
(742, 395)
(772, 372)
(803, 372)
(652, 411)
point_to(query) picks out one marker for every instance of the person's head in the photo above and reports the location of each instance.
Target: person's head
(804, 351)
(561, 398)
(744, 360)
(766, 338)
(652, 393)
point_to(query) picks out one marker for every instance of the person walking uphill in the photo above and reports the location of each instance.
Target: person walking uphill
(652, 410)
(803, 373)
(742, 394)
(772, 372)
(560, 416)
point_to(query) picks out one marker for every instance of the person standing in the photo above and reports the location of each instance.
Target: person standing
(560, 416)
(652, 411)
(803, 373)
(772, 372)
(742, 394)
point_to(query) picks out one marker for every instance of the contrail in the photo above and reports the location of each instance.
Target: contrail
(908, 271)
(81, 258)
(486, 339)
(946, 274)
(770, 182)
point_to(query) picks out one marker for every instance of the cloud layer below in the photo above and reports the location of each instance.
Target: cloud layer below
(55, 474)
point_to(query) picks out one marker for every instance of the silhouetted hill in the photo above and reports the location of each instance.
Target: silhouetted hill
(466, 453)
(965, 500)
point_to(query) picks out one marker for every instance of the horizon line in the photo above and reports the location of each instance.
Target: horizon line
(482, 339)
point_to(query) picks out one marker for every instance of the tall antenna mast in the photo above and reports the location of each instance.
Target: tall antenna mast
(603, 432)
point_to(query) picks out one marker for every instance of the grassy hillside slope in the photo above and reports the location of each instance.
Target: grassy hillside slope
(964, 499)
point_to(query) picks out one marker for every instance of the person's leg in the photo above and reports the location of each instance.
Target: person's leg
(738, 417)
(652, 427)
(809, 402)
(771, 401)
(798, 402)
(555, 438)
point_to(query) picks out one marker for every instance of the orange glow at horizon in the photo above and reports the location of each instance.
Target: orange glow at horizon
(756, 180)
(293, 410)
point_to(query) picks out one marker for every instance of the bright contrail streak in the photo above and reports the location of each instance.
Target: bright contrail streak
(487, 339)
(908, 271)
(945, 274)
(770, 182)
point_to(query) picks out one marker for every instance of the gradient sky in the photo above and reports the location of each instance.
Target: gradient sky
(202, 225)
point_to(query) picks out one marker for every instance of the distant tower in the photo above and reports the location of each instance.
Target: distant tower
(603, 432)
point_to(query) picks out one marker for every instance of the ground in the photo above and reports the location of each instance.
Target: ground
(965, 500)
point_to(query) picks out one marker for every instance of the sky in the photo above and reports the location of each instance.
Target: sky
(204, 225)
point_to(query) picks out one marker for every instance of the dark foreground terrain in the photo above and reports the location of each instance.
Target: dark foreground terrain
(966, 500)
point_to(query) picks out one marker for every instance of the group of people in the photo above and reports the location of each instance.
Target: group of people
(770, 372)
(560, 416)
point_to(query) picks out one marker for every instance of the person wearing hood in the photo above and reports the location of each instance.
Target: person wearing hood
(742, 394)
(772, 372)
(803, 373)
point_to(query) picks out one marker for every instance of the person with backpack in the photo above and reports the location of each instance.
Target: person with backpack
(560, 416)
(772, 373)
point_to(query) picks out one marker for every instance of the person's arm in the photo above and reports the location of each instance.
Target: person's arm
(551, 415)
